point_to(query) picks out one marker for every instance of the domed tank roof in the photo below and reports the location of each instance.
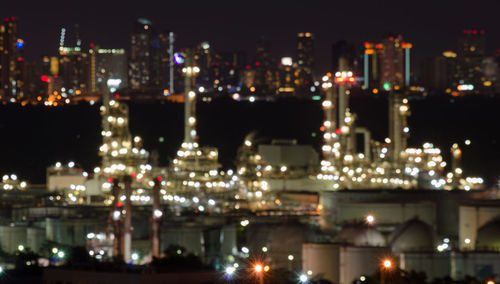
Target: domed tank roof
(360, 235)
(414, 235)
(488, 236)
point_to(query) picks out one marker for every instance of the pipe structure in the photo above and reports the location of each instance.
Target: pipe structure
(156, 219)
(171, 40)
(351, 145)
(330, 137)
(344, 78)
(367, 137)
(115, 217)
(343, 99)
(456, 159)
(127, 236)
(398, 129)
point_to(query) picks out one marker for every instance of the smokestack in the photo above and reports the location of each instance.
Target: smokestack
(190, 72)
(343, 99)
(398, 112)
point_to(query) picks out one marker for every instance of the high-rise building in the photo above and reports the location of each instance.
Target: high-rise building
(470, 58)
(74, 69)
(305, 49)
(471, 43)
(436, 73)
(11, 61)
(392, 62)
(149, 58)
(264, 71)
(113, 62)
(387, 64)
(305, 63)
(74, 64)
(142, 54)
(287, 69)
(225, 69)
(204, 54)
(163, 41)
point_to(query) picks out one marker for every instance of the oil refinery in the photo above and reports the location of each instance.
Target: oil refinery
(283, 202)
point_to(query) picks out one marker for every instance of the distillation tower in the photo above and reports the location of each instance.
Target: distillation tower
(194, 172)
(122, 160)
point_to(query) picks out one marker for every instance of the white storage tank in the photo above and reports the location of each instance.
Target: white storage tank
(11, 237)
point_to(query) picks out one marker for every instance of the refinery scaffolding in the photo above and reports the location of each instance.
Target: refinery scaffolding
(194, 173)
(387, 164)
(253, 191)
(124, 165)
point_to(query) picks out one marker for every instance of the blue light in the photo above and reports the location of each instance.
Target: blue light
(178, 58)
(19, 44)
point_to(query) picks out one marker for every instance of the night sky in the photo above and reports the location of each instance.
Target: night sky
(432, 26)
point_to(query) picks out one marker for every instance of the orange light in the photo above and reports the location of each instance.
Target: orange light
(490, 282)
(266, 269)
(258, 268)
(340, 79)
(406, 45)
(370, 219)
(387, 263)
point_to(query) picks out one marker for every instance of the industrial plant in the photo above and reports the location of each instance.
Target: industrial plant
(354, 209)
(334, 215)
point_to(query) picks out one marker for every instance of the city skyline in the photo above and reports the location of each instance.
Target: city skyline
(430, 34)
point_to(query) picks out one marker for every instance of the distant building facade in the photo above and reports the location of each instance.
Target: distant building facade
(11, 61)
(148, 58)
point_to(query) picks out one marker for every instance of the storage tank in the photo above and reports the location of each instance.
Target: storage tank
(11, 237)
(35, 238)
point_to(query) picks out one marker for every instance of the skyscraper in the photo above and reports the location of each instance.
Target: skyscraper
(74, 63)
(148, 58)
(470, 56)
(392, 62)
(286, 76)
(265, 75)
(436, 73)
(471, 43)
(113, 62)
(387, 64)
(305, 63)
(141, 73)
(305, 48)
(11, 61)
